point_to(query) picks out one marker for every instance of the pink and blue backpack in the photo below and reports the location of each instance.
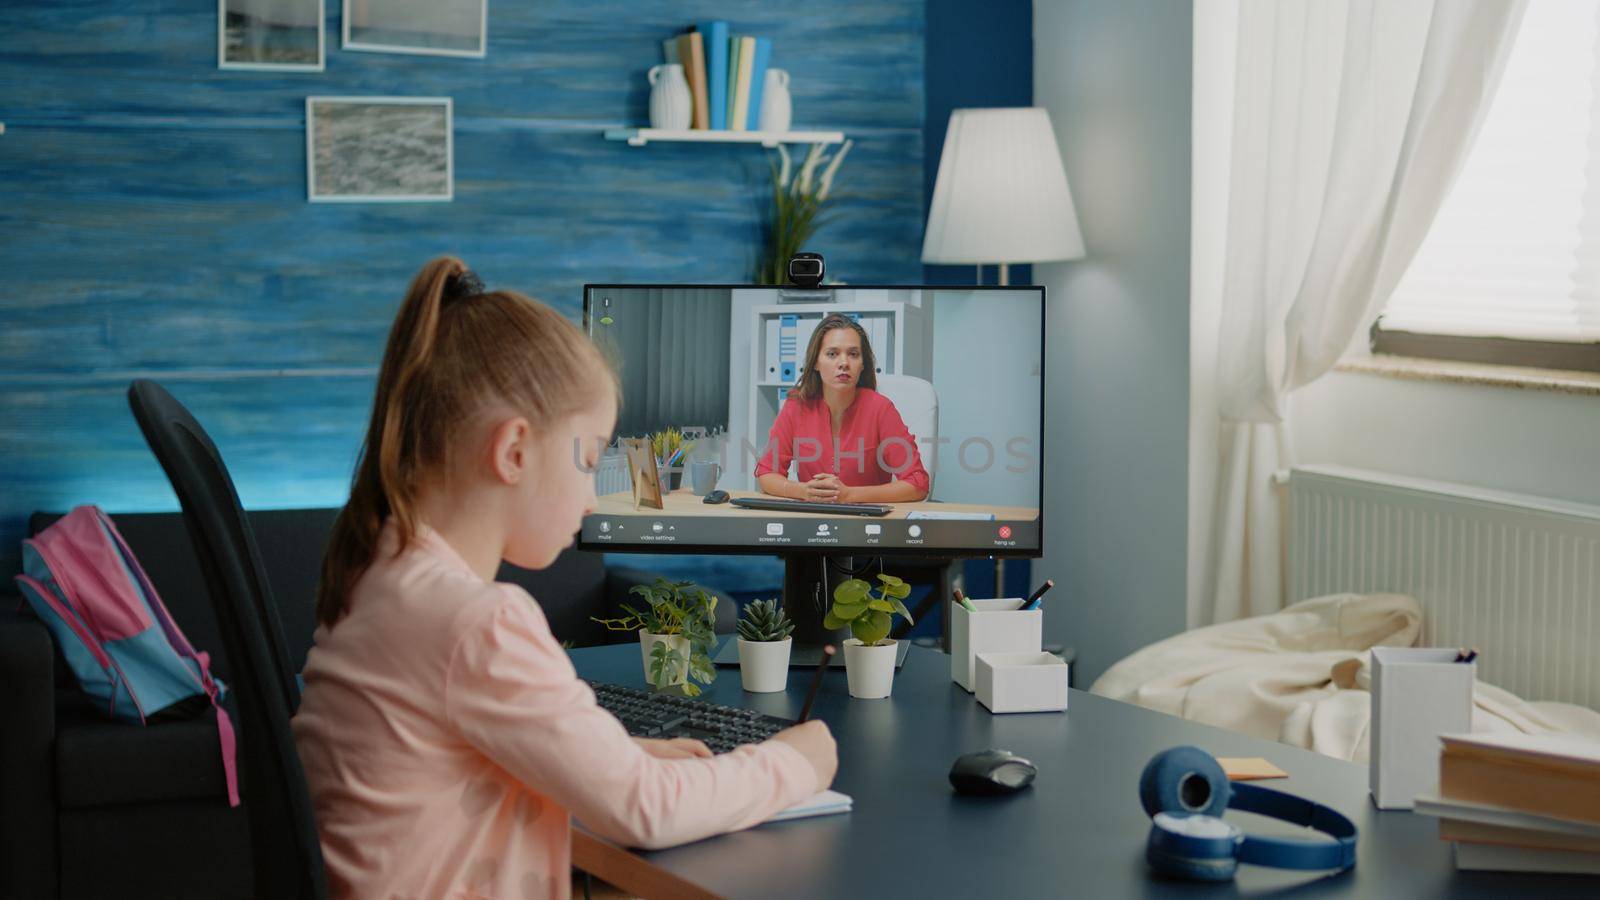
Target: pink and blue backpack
(114, 632)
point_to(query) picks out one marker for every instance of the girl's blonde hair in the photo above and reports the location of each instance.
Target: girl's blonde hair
(455, 351)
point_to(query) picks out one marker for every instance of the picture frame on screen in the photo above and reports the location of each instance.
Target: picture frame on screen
(642, 473)
(271, 35)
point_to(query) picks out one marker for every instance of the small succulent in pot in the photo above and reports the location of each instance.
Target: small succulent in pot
(765, 621)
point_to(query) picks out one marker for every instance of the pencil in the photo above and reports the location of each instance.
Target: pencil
(816, 681)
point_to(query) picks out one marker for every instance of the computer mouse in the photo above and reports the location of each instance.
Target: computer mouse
(716, 497)
(991, 772)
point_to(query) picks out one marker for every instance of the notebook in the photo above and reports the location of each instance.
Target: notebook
(825, 803)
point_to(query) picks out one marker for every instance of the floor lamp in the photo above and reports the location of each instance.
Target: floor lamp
(1001, 197)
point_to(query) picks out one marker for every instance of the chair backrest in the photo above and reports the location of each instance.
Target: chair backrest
(287, 855)
(918, 405)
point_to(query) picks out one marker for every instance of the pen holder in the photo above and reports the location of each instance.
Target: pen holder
(997, 627)
(1021, 682)
(1417, 694)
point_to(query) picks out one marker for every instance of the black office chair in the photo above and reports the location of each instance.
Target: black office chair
(283, 833)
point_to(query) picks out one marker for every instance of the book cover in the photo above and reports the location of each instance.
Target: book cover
(692, 51)
(758, 78)
(714, 35)
(1491, 858)
(822, 803)
(1479, 833)
(1434, 805)
(1564, 750)
(744, 56)
(1543, 789)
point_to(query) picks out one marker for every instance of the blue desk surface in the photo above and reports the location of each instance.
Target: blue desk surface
(1079, 831)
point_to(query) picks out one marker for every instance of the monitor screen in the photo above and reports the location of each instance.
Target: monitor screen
(846, 419)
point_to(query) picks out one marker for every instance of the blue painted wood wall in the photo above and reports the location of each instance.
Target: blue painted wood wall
(153, 219)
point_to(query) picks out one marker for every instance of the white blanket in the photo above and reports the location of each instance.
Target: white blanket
(1272, 676)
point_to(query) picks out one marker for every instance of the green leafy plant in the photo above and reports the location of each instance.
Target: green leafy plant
(800, 206)
(666, 443)
(765, 621)
(674, 608)
(868, 616)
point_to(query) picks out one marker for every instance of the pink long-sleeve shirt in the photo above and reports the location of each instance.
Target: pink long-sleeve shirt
(873, 446)
(447, 740)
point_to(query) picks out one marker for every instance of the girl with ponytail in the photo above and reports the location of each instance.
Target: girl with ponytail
(445, 736)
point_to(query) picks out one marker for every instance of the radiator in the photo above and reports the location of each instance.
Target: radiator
(1516, 576)
(611, 475)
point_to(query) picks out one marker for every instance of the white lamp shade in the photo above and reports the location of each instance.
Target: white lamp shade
(1001, 195)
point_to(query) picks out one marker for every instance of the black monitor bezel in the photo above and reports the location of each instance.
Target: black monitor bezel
(924, 552)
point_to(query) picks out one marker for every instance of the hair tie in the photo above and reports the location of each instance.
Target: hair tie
(461, 286)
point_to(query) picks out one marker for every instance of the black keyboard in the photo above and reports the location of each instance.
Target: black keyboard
(778, 504)
(722, 728)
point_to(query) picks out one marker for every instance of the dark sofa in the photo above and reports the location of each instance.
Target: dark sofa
(92, 808)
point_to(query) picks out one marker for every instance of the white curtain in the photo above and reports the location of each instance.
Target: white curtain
(1350, 119)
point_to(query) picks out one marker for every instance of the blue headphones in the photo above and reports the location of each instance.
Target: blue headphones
(1186, 792)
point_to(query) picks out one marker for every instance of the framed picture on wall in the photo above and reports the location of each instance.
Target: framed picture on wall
(432, 27)
(367, 149)
(276, 35)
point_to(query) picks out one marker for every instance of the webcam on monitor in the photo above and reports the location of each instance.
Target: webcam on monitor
(806, 269)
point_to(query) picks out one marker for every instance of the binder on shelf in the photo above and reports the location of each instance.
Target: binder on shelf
(788, 348)
(691, 51)
(744, 57)
(758, 77)
(714, 35)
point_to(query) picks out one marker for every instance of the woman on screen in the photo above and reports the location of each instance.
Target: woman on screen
(849, 440)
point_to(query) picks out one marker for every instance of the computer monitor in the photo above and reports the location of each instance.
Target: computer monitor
(913, 414)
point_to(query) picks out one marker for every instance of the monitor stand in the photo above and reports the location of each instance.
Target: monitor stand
(805, 599)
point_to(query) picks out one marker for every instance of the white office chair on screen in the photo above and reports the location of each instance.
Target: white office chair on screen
(919, 408)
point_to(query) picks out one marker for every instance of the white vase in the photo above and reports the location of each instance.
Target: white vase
(776, 109)
(764, 665)
(869, 670)
(671, 107)
(677, 643)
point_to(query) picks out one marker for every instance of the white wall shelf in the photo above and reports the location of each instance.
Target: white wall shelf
(638, 137)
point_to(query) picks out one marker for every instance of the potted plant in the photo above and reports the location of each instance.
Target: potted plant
(677, 629)
(800, 206)
(764, 644)
(869, 655)
(671, 450)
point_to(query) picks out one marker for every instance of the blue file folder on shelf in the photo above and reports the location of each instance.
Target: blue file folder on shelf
(788, 348)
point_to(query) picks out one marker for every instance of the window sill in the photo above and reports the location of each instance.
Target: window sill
(1413, 368)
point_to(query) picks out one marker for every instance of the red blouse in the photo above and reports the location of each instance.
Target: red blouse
(874, 446)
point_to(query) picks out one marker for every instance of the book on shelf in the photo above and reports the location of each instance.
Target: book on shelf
(691, 49)
(1551, 775)
(714, 35)
(758, 78)
(742, 52)
(1495, 858)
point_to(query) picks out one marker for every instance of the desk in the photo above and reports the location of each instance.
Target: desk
(1079, 831)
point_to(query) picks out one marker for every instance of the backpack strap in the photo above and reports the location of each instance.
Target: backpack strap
(179, 642)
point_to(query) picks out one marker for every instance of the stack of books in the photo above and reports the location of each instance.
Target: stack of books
(725, 72)
(1519, 802)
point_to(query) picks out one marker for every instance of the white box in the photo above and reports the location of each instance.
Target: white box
(1021, 682)
(997, 627)
(1417, 694)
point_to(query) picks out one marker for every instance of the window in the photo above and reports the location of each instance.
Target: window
(1510, 270)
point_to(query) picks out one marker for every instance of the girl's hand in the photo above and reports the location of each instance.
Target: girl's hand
(674, 748)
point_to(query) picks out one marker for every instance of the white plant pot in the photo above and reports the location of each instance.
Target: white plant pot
(671, 106)
(677, 642)
(764, 665)
(869, 670)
